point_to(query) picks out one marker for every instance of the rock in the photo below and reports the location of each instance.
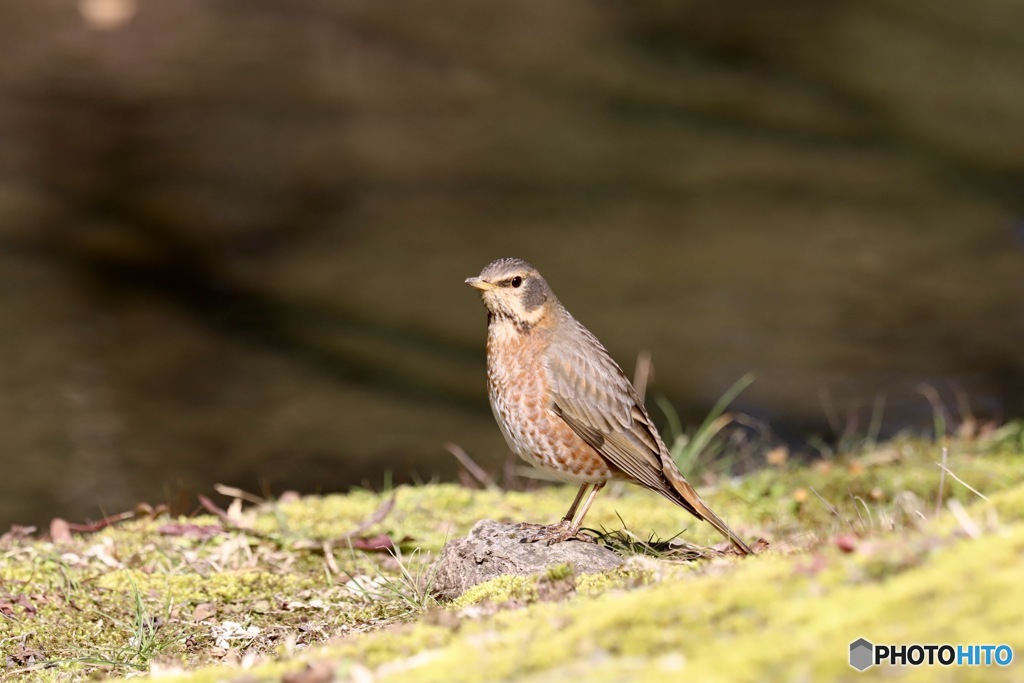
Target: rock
(493, 549)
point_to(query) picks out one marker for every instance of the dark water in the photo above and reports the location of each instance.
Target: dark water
(233, 236)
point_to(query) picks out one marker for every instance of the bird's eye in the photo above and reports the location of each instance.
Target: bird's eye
(516, 281)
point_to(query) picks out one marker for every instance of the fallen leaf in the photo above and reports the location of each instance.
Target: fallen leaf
(201, 531)
(60, 532)
(99, 551)
(144, 510)
(778, 456)
(204, 611)
(235, 510)
(846, 543)
(26, 656)
(759, 546)
(17, 531)
(232, 517)
(23, 601)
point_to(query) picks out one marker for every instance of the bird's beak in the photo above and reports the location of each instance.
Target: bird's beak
(482, 285)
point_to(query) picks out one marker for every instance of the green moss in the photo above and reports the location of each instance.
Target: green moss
(616, 579)
(499, 590)
(559, 572)
(786, 614)
(1007, 505)
(763, 618)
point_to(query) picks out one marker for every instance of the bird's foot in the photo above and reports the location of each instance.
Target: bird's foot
(550, 534)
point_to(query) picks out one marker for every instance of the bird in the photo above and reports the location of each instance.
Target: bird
(564, 405)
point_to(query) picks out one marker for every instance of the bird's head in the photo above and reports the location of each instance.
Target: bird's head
(514, 290)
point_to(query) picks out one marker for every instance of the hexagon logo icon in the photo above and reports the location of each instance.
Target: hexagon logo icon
(861, 654)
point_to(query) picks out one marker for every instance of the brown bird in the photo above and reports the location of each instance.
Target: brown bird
(565, 406)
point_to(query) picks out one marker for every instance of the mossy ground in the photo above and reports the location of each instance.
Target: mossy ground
(260, 594)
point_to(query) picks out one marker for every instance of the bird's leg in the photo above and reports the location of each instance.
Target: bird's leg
(565, 529)
(586, 506)
(567, 519)
(572, 508)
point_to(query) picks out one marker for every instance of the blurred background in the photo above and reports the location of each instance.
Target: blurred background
(234, 233)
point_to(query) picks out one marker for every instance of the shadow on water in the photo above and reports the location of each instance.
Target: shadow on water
(130, 251)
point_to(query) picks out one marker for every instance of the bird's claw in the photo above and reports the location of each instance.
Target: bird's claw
(551, 534)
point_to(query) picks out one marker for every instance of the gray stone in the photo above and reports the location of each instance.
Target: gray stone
(494, 549)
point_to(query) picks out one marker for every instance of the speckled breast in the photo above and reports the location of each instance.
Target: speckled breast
(517, 386)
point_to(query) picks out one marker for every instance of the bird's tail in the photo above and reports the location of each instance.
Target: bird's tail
(688, 498)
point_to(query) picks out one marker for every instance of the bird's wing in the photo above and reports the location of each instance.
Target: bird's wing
(591, 393)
